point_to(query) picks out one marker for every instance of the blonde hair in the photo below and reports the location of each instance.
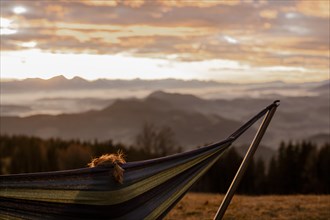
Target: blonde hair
(111, 159)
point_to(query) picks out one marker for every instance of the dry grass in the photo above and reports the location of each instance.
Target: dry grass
(197, 206)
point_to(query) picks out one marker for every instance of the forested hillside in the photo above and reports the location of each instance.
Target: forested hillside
(297, 167)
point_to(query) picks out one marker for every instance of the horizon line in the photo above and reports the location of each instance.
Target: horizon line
(7, 79)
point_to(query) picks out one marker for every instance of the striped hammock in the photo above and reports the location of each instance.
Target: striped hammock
(149, 190)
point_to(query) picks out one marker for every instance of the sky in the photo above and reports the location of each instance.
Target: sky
(227, 40)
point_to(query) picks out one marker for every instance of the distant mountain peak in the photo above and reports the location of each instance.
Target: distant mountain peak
(157, 93)
(78, 79)
(166, 95)
(58, 78)
(29, 80)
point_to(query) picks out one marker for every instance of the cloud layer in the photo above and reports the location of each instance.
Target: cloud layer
(269, 36)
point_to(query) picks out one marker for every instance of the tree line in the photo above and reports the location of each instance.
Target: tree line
(296, 168)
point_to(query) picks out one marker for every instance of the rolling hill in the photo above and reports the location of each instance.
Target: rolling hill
(123, 120)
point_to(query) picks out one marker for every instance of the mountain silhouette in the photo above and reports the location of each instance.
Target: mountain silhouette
(194, 120)
(123, 120)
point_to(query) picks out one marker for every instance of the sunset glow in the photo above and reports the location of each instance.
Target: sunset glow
(238, 41)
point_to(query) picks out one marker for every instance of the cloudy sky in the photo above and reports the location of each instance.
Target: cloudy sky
(227, 40)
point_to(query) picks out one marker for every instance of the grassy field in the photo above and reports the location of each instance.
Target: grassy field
(197, 206)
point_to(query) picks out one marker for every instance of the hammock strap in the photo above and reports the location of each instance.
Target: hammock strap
(231, 138)
(253, 120)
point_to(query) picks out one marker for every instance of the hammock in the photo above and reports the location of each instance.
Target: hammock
(149, 190)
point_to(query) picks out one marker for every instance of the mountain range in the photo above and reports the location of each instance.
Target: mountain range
(195, 121)
(198, 112)
(60, 95)
(123, 120)
(77, 83)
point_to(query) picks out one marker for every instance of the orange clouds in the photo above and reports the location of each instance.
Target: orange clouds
(169, 3)
(200, 4)
(270, 14)
(263, 33)
(318, 8)
(108, 3)
(56, 9)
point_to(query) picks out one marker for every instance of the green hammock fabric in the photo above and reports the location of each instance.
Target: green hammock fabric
(150, 188)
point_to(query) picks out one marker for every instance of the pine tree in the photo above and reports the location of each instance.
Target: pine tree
(323, 169)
